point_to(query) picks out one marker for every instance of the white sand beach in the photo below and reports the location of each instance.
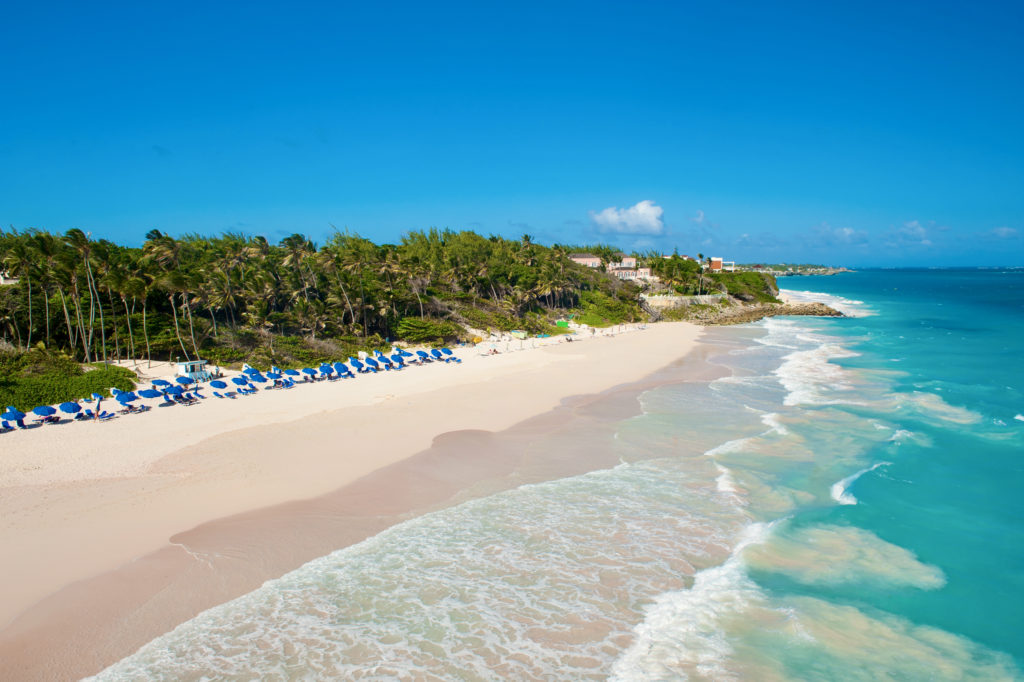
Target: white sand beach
(82, 500)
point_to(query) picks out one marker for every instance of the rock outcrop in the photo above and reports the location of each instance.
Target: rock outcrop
(741, 314)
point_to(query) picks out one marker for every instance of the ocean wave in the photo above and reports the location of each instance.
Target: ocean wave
(1019, 417)
(535, 582)
(681, 633)
(840, 490)
(810, 379)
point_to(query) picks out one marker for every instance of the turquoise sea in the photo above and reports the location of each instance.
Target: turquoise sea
(844, 504)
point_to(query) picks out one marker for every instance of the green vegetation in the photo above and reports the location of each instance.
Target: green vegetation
(40, 377)
(749, 287)
(235, 298)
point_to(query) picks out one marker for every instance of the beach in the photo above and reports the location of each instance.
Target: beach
(116, 532)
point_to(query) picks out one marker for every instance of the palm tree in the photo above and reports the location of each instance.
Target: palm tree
(20, 262)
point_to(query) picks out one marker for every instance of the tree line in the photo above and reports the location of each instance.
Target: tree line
(98, 300)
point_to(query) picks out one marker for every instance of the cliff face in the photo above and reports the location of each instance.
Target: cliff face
(752, 313)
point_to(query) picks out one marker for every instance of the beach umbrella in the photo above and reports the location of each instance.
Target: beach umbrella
(218, 384)
(44, 410)
(185, 380)
(447, 351)
(292, 372)
(97, 397)
(149, 393)
(258, 378)
(250, 370)
(372, 363)
(12, 414)
(159, 382)
(309, 370)
(240, 381)
(70, 408)
(397, 359)
(126, 397)
(175, 390)
(340, 367)
(114, 390)
(273, 375)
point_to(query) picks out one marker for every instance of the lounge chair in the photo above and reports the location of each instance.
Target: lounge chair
(4, 426)
(452, 357)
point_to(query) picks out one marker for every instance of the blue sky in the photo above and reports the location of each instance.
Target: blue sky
(855, 134)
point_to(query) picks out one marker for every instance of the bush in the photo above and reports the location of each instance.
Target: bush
(415, 330)
(45, 378)
(601, 309)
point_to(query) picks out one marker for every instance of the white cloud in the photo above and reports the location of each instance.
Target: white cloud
(912, 233)
(699, 218)
(1003, 232)
(642, 218)
(826, 235)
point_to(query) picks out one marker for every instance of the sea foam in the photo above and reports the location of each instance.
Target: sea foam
(840, 490)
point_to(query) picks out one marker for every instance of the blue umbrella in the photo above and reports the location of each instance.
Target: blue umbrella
(308, 370)
(185, 380)
(175, 390)
(251, 370)
(13, 414)
(160, 382)
(292, 372)
(240, 381)
(44, 410)
(258, 378)
(340, 367)
(97, 396)
(273, 375)
(126, 397)
(218, 384)
(404, 353)
(372, 363)
(150, 393)
(70, 408)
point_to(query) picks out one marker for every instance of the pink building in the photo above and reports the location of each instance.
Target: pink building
(586, 259)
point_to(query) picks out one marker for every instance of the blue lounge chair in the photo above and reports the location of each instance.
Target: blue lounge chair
(4, 426)
(452, 357)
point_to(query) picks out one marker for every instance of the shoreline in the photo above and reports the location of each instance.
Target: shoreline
(180, 532)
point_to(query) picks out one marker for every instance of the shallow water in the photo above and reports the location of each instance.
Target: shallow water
(841, 506)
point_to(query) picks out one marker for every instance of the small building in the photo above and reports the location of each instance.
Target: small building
(623, 261)
(719, 265)
(623, 273)
(588, 260)
(196, 369)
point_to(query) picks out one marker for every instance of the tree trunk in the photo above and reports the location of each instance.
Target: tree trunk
(81, 321)
(46, 299)
(28, 280)
(145, 334)
(191, 328)
(113, 311)
(177, 329)
(72, 337)
(131, 337)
